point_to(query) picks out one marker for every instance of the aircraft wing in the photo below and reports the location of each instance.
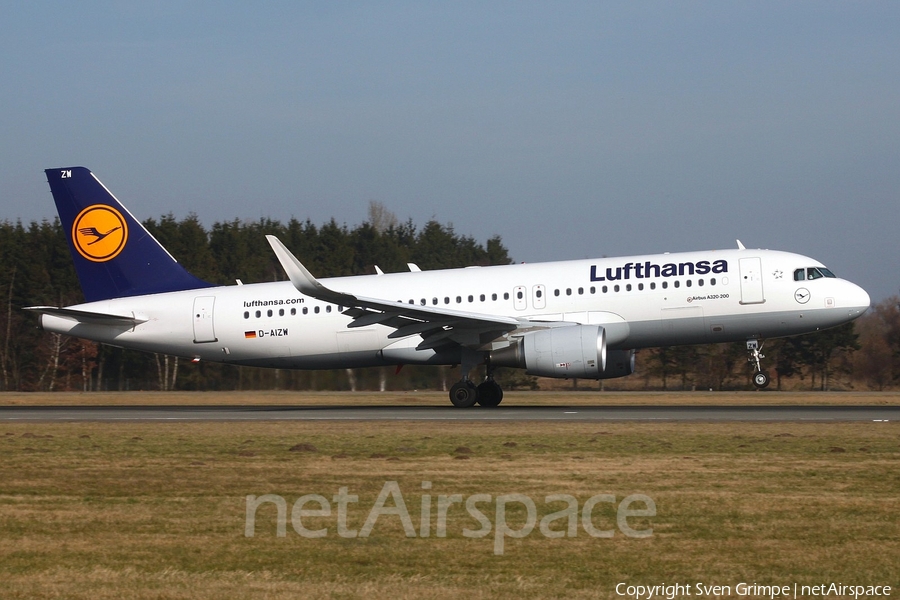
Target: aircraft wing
(437, 326)
(84, 316)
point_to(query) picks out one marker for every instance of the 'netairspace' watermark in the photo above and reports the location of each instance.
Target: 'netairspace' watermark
(558, 524)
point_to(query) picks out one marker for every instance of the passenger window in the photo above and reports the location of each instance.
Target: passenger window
(688, 283)
(593, 290)
(328, 308)
(640, 287)
(471, 298)
(246, 314)
(556, 292)
(539, 293)
(519, 295)
(494, 297)
(481, 297)
(665, 285)
(316, 310)
(293, 312)
(258, 314)
(305, 311)
(616, 288)
(280, 312)
(700, 283)
(506, 295)
(568, 291)
(580, 291)
(605, 289)
(628, 288)
(446, 300)
(434, 300)
(652, 285)
(459, 299)
(269, 312)
(677, 284)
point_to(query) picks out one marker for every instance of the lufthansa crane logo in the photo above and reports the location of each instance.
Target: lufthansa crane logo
(99, 233)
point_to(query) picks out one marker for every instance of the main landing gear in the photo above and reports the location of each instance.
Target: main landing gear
(760, 377)
(465, 393)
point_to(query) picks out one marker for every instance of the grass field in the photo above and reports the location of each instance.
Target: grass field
(100, 510)
(430, 398)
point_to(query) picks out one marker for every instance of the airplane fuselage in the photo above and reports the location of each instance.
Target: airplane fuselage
(640, 301)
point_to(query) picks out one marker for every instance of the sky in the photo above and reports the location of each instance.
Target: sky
(570, 129)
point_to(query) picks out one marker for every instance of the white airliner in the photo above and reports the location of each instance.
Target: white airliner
(580, 318)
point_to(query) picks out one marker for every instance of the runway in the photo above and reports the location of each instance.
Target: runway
(710, 413)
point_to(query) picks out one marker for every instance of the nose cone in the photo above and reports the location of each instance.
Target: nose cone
(857, 299)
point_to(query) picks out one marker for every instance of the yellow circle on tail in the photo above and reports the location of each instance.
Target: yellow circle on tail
(99, 233)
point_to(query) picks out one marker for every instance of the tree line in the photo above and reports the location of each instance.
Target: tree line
(36, 269)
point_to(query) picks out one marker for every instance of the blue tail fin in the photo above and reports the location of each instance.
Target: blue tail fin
(114, 255)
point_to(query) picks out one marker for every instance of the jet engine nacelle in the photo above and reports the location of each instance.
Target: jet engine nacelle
(619, 363)
(576, 351)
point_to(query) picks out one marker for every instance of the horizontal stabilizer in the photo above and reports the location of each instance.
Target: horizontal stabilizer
(84, 316)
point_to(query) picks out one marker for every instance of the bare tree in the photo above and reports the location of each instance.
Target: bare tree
(167, 376)
(54, 345)
(380, 218)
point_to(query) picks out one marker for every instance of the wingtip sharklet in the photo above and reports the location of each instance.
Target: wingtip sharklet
(300, 276)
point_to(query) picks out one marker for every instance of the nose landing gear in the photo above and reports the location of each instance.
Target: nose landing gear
(760, 377)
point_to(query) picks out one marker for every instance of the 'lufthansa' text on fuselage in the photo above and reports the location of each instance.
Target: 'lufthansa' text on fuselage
(648, 269)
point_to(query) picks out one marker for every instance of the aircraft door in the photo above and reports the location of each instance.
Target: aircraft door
(751, 281)
(520, 302)
(539, 297)
(203, 319)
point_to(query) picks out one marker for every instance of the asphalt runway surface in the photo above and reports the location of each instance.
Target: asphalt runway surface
(717, 413)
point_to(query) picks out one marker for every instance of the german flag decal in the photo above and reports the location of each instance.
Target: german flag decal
(250, 335)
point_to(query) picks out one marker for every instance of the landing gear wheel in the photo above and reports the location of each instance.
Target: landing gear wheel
(490, 393)
(760, 379)
(463, 394)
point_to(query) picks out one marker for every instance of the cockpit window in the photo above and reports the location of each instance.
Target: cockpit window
(817, 272)
(811, 273)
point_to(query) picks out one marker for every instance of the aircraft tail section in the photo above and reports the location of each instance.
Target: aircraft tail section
(114, 255)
